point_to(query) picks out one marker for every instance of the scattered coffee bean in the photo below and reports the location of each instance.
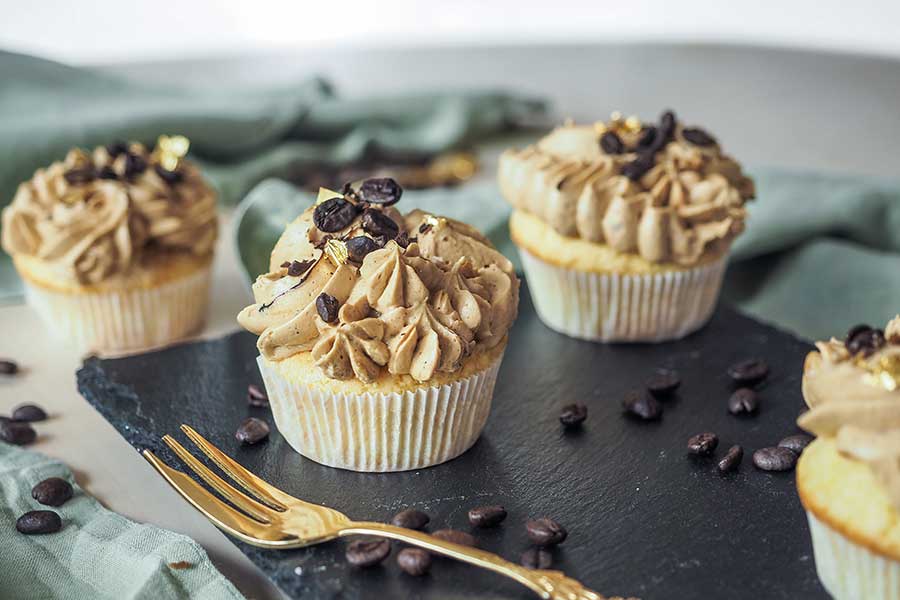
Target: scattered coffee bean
(642, 405)
(414, 561)
(703, 444)
(107, 172)
(29, 413)
(296, 268)
(134, 165)
(327, 306)
(180, 565)
(864, 339)
(749, 372)
(796, 443)
(8, 367)
(375, 222)
(611, 143)
(697, 136)
(368, 553)
(15, 432)
(383, 190)
(536, 558)
(732, 459)
(80, 175)
(54, 491)
(774, 459)
(545, 532)
(456, 537)
(170, 177)
(116, 148)
(487, 516)
(360, 246)
(743, 401)
(334, 215)
(37, 522)
(256, 397)
(252, 431)
(663, 382)
(573, 415)
(411, 519)
(637, 168)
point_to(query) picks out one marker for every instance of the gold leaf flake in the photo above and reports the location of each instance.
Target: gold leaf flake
(336, 251)
(326, 194)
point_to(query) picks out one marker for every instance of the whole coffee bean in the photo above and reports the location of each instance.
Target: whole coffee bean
(663, 382)
(611, 143)
(573, 415)
(697, 136)
(411, 519)
(170, 177)
(637, 168)
(667, 125)
(29, 413)
(642, 405)
(456, 537)
(749, 372)
(796, 443)
(545, 532)
(774, 459)
(80, 175)
(327, 306)
(37, 522)
(134, 165)
(375, 222)
(536, 558)
(743, 401)
(252, 431)
(381, 190)
(731, 460)
(116, 148)
(865, 339)
(334, 215)
(360, 246)
(368, 553)
(647, 139)
(403, 240)
(256, 397)
(8, 367)
(487, 516)
(18, 433)
(414, 561)
(107, 172)
(703, 444)
(52, 492)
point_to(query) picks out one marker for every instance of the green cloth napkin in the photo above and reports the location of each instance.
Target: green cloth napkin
(97, 554)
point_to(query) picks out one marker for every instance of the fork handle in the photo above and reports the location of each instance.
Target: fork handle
(550, 585)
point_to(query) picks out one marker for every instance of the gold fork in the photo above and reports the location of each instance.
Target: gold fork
(270, 518)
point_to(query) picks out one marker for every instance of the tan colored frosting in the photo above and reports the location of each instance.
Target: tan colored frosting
(91, 230)
(857, 400)
(689, 204)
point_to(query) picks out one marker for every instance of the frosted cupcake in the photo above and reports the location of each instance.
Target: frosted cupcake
(115, 246)
(380, 336)
(624, 228)
(849, 477)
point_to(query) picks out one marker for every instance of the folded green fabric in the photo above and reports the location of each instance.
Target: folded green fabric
(97, 554)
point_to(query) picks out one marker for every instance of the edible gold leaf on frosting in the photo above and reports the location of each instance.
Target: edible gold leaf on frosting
(326, 194)
(170, 150)
(336, 251)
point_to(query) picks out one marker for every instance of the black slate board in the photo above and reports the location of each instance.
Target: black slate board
(644, 518)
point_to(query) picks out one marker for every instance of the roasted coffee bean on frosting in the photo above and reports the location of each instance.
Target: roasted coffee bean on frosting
(256, 397)
(252, 431)
(334, 214)
(39, 522)
(573, 415)
(703, 444)
(611, 143)
(774, 459)
(637, 168)
(864, 339)
(54, 491)
(487, 516)
(170, 177)
(731, 460)
(697, 136)
(376, 223)
(411, 519)
(384, 191)
(749, 372)
(29, 413)
(663, 382)
(642, 405)
(80, 175)
(368, 553)
(327, 306)
(545, 532)
(743, 401)
(360, 246)
(414, 561)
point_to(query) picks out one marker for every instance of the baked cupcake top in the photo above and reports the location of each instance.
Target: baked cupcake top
(852, 387)
(365, 289)
(96, 215)
(666, 192)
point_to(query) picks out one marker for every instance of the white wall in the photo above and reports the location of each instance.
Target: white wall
(105, 31)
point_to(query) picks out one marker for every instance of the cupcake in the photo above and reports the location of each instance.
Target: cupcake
(849, 477)
(115, 246)
(380, 335)
(624, 228)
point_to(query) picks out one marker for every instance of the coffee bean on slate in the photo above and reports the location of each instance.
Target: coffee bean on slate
(732, 459)
(573, 415)
(414, 561)
(360, 246)
(536, 558)
(743, 401)
(375, 222)
(134, 165)
(703, 444)
(663, 382)
(865, 339)
(16, 432)
(749, 372)
(382, 190)
(612, 143)
(368, 553)
(8, 367)
(456, 537)
(487, 516)
(38, 522)
(170, 177)
(796, 443)
(334, 215)
(54, 491)
(116, 148)
(80, 175)
(252, 431)
(327, 306)
(411, 519)
(29, 413)
(697, 136)
(636, 169)
(545, 532)
(642, 405)
(256, 397)
(774, 459)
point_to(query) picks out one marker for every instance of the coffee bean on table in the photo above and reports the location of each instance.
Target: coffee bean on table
(360, 246)
(256, 397)
(731, 460)
(375, 222)
(29, 413)
(54, 491)
(545, 532)
(749, 372)
(8, 367)
(380, 190)
(334, 214)
(368, 553)
(743, 401)
(774, 459)
(327, 306)
(252, 431)
(663, 382)
(642, 405)
(487, 516)
(703, 444)
(37, 522)
(796, 443)
(456, 537)
(573, 415)
(536, 558)
(411, 519)
(414, 561)
(18, 433)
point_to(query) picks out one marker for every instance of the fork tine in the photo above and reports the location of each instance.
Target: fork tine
(256, 510)
(265, 492)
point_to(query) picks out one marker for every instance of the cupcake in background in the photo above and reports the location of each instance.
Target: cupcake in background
(624, 228)
(115, 246)
(381, 335)
(849, 477)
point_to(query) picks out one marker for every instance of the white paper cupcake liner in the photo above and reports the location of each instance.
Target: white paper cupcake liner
(850, 571)
(611, 307)
(380, 432)
(124, 320)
